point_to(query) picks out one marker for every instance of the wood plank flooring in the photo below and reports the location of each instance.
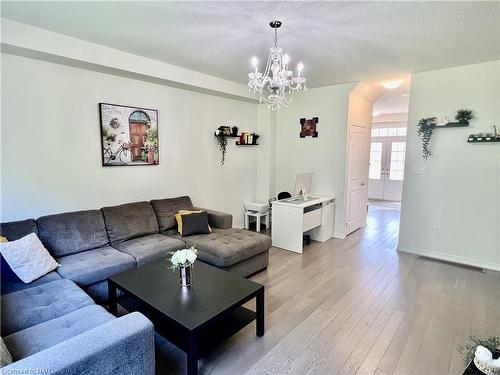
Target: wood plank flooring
(356, 306)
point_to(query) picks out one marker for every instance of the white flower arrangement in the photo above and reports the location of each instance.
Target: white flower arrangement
(183, 258)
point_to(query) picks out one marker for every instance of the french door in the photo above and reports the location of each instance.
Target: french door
(387, 164)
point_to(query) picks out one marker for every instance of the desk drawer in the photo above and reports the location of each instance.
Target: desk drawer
(312, 219)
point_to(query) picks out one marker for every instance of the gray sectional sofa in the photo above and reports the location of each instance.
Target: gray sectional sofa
(52, 326)
(53, 323)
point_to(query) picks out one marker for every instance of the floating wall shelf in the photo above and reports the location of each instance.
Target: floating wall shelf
(452, 125)
(246, 144)
(483, 140)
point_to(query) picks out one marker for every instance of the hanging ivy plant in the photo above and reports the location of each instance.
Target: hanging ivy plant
(222, 142)
(425, 128)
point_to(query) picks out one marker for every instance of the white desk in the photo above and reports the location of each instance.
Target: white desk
(293, 217)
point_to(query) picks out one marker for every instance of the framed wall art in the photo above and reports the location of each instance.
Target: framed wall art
(308, 127)
(129, 135)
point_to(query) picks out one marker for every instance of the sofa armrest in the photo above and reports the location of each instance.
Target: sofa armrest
(217, 219)
(121, 346)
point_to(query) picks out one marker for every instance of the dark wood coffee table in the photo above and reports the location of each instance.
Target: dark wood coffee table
(193, 318)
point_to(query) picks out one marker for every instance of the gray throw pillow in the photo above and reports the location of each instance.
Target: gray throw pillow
(28, 258)
(195, 223)
(5, 357)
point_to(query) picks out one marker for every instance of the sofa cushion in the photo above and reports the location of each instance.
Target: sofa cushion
(129, 221)
(192, 222)
(147, 248)
(72, 232)
(28, 258)
(12, 285)
(14, 230)
(29, 307)
(44, 335)
(165, 209)
(91, 266)
(225, 247)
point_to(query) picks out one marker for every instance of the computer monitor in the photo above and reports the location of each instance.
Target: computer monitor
(303, 181)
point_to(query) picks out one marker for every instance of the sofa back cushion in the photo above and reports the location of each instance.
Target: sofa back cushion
(165, 210)
(13, 231)
(129, 220)
(73, 232)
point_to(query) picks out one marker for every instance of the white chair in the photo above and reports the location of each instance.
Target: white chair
(256, 210)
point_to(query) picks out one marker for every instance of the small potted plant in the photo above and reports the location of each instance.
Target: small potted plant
(184, 260)
(464, 116)
(234, 131)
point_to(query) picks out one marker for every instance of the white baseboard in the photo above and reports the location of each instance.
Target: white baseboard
(450, 258)
(340, 236)
(240, 226)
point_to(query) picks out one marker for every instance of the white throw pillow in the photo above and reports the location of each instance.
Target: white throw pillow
(28, 258)
(5, 357)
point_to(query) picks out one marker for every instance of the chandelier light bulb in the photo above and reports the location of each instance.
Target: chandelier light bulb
(300, 67)
(254, 62)
(286, 59)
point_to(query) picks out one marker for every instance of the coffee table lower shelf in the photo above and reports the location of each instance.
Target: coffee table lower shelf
(225, 327)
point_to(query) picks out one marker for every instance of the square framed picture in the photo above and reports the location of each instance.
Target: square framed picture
(129, 135)
(308, 127)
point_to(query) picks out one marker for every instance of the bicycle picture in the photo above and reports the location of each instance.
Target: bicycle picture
(123, 153)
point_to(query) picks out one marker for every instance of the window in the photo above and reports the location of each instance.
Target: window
(389, 132)
(375, 161)
(402, 132)
(397, 168)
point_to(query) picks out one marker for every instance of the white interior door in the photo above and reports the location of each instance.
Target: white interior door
(357, 177)
(386, 172)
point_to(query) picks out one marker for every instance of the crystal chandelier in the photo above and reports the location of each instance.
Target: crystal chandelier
(276, 85)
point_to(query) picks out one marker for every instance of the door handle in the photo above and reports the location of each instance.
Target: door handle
(363, 184)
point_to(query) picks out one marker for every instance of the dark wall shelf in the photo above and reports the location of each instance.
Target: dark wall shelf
(246, 144)
(452, 125)
(483, 140)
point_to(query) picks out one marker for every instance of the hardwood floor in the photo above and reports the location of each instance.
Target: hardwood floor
(356, 306)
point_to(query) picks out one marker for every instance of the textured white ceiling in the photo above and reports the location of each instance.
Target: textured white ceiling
(337, 41)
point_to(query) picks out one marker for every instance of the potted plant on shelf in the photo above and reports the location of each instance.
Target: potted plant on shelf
(255, 137)
(425, 128)
(222, 142)
(464, 116)
(184, 260)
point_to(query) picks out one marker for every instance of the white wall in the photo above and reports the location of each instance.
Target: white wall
(325, 155)
(452, 210)
(51, 143)
(266, 157)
